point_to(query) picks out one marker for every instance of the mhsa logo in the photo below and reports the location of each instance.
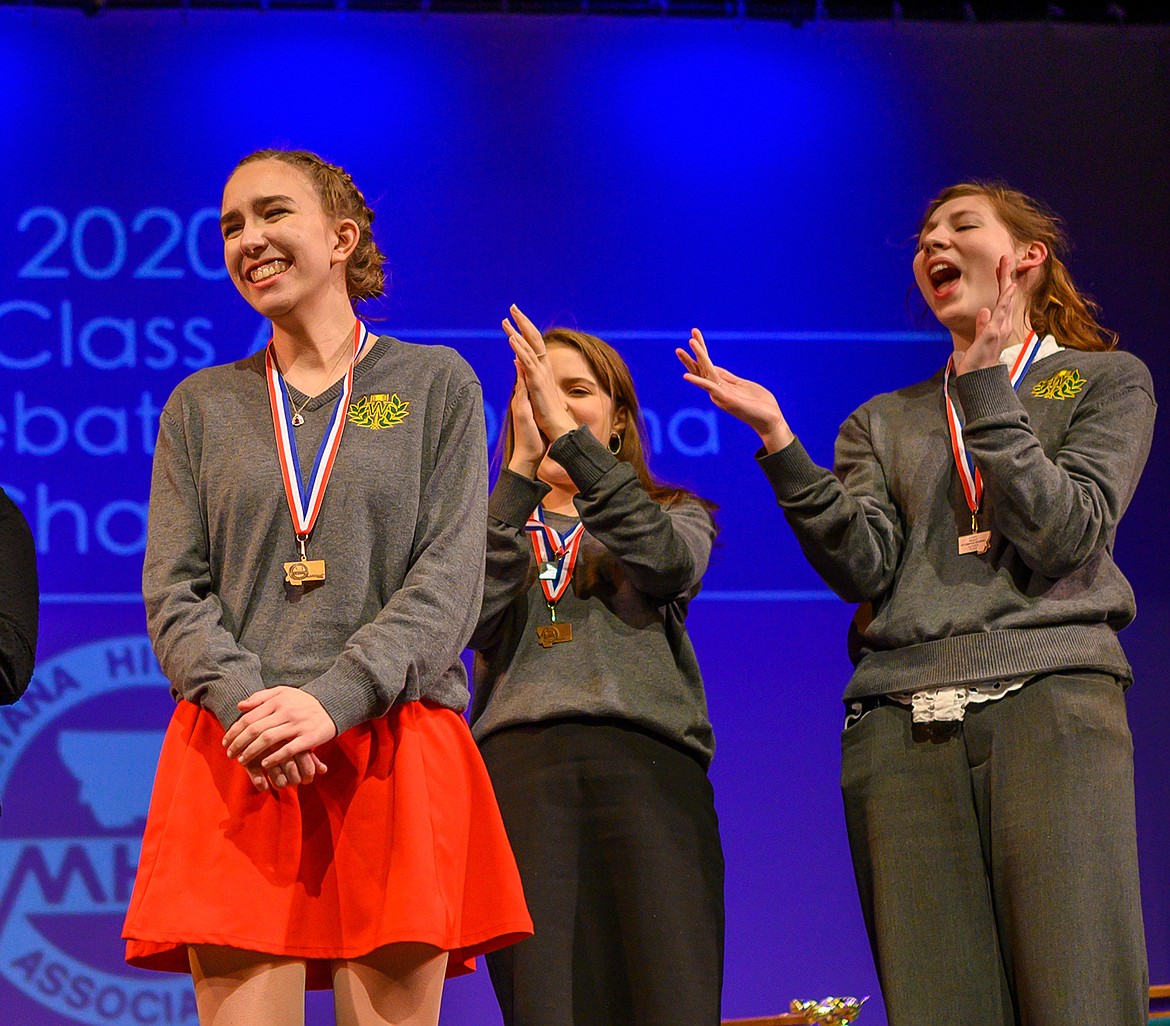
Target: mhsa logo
(77, 759)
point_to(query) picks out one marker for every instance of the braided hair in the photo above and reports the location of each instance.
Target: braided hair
(365, 274)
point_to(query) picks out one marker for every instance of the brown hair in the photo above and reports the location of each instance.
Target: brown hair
(365, 274)
(1056, 306)
(614, 377)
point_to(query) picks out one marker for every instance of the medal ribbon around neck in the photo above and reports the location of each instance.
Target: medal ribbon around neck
(553, 547)
(305, 497)
(969, 474)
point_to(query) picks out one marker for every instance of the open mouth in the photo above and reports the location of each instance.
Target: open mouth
(269, 270)
(943, 276)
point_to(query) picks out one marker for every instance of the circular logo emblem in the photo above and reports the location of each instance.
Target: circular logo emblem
(298, 571)
(77, 760)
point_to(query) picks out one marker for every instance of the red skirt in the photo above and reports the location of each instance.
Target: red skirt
(400, 841)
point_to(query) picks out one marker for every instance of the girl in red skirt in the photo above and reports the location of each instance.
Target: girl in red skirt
(313, 569)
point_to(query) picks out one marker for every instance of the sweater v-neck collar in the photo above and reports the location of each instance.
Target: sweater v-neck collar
(364, 366)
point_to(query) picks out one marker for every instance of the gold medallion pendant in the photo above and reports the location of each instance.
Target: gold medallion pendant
(554, 634)
(304, 571)
(977, 542)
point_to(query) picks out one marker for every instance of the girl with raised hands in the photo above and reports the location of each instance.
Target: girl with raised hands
(321, 816)
(987, 767)
(589, 706)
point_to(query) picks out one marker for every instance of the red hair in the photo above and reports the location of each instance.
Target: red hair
(1056, 306)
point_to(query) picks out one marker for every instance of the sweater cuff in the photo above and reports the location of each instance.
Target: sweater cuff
(514, 498)
(987, 392)
(789, 471)
(346, 694)
(584, 458)
(221, 700)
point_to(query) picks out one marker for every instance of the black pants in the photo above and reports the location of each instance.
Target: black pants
(618, 845)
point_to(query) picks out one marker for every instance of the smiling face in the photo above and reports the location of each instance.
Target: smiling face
(587, 401)
(955, 265)
(283, 253)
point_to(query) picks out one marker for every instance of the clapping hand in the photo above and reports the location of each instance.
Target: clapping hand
(549, 411)
(528, 444)
(744, 399)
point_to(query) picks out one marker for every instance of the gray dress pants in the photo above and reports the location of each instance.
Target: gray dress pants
(996, 858)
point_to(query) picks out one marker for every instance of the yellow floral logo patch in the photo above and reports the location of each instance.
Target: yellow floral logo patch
(1062, 385)
(378, 411)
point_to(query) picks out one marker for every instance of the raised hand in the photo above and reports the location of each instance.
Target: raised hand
(549, 411)
(994, 329)
(744, 399)
(278, 725)
(528, 444)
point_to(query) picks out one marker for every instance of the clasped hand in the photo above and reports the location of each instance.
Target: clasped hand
(539, 412)
(275, 738)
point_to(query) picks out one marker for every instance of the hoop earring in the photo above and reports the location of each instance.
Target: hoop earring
(615, 449)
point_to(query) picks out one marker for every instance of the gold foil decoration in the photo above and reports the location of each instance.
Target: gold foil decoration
(831, 1011)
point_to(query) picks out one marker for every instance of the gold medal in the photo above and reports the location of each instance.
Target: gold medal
(304, 571)
(304, 501)
(554, 634)
(977, 542)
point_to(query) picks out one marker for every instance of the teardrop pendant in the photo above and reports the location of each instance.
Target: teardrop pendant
(297, 420)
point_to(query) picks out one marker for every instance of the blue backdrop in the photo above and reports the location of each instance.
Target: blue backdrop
(631, 177)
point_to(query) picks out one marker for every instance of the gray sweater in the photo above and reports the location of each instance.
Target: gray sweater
(638, 567)
(1060, 462)
(401, 533)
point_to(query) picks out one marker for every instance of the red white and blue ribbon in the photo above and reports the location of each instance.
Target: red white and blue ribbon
(306, 497)
(969, 474)
(556, 550)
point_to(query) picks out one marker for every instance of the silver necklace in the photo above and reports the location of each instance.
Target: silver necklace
(297, 411)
